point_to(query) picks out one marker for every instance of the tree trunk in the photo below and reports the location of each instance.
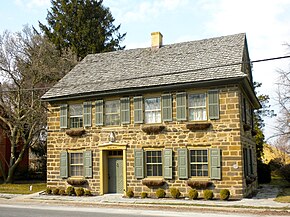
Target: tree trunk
(10, 175)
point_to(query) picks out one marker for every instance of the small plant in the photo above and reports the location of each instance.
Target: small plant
(160, 193)
(88, 192)
(48, 190)
(79, 191)
(175, 193)
(55, 191)
(225, 194)
(61, 192)
(208, 194)
(193, 194)
(144, 195)
(130, 193)
(70, 191)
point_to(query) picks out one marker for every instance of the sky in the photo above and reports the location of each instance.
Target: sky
(265, 22)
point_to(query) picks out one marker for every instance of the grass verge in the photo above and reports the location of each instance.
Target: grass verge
(22, 188)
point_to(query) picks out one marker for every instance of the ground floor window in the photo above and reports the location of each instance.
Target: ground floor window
(154, 163)
(76, 164)
(198, 162)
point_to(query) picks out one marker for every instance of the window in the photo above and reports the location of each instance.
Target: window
(198, 163)
(112, 112)
(154, 163)
(76, 164)
(76, 115)
(197, 107)
(153, 110)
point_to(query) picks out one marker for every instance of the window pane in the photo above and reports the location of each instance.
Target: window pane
(197, 107)
(76, 164)
(154, 163)
(153, 110)
(76, 110)
(112, 112)
(198, 163)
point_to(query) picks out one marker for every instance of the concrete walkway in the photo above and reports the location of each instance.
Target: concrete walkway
(263, 200)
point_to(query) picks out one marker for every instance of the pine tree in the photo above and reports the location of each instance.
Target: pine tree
(84, 26)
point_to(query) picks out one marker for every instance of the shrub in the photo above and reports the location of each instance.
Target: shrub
(208, 194)
(130, 193)
(264, 173)
(160, 193)
(55, 191)
(144, 195)
(225, 194)
(285, 172)
(88, 192)
(61, 192)
(48, 190)
(70, 191)
(175, 193)
(193, 194)
(79, 191)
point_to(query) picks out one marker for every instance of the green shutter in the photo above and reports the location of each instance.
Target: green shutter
(63, 164)
(213, 104)
(63, 116)
(181, 107)
(138, 109)
(183, 163)
(99, 112)
(139, 163)
(167, 107)
(88, 165)
(125, 110)
(167, 164)
(215, 163)
(87, 114)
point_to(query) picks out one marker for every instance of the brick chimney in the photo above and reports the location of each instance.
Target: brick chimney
(156, 40)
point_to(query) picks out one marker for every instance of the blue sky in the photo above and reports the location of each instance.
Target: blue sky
(266, 23)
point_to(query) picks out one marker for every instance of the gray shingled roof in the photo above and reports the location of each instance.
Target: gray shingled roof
(178, 63)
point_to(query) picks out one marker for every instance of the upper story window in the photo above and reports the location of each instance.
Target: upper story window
(198, 163)
(112, 112)
(153, 110)
(197, 107)
(76, 115)
(154, 163)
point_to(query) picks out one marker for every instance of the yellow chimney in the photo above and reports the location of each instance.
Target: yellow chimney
(156, 40)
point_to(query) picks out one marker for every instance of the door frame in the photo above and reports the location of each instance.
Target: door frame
(103, 148)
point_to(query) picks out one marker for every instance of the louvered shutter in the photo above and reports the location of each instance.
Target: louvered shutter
(87, 114)
(181, 113)
(88, 164)
(166, 107)
(213, 104)
(139, 163)
(215, 163)
(138, 109)
(125, 110)
(99, 112)
(183, 163)
(63, 164)
(63, 116)
(167, 164)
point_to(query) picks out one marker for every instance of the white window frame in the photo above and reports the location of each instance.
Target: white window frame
(199, 163)
(192, 109)
(154, 164)
(80, 164)
(156, 112)
(112, 122)
(76, 120)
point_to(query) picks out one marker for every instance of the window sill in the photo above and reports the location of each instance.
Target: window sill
(76, 181)
(151, 130)
(75, 132)
(152, 182)
(198, 126)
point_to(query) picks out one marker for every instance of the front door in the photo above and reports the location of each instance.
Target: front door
(115, 172)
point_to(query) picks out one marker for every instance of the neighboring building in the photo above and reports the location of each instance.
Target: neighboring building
(165, 115)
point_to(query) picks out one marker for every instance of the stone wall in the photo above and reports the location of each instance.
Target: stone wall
(225, 133)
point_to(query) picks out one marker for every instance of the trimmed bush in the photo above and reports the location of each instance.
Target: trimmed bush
(79, 191)
(285, 172)
(48, 190)
(62, 192)
(225, 194)
(144, 195)
(208, 194)
(55, 191)
(88, 192)
(175, 193)
(130, 193)
(264, 173)
(70, 191)
(160, 193)
(193, 194)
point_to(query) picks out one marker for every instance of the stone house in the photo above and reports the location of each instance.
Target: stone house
(175, 115)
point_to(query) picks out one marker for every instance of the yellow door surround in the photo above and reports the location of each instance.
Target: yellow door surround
(103, 158)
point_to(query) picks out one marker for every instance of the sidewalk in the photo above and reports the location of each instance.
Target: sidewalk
(263, 200)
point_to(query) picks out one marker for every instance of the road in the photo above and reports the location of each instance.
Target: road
(44, 210)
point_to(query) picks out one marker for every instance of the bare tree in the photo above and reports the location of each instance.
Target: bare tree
(28, 63)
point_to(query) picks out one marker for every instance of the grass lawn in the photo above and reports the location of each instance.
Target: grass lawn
(284, 195)
(22, 188)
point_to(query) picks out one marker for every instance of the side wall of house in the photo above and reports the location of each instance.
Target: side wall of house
(224, 133)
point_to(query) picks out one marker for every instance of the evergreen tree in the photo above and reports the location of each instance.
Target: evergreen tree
(85, 26)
